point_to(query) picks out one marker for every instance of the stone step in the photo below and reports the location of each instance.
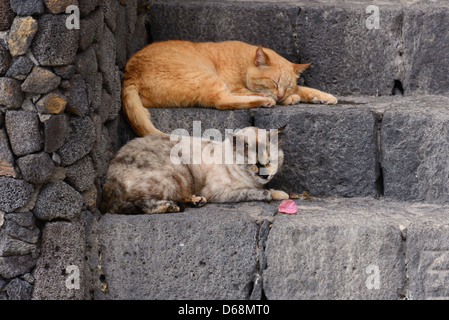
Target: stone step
(332, 248)
(396, 147)
(357, 47)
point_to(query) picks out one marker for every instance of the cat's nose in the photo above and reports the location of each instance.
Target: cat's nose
(280, 97)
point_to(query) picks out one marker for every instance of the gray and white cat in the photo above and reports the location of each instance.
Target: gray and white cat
(153, 175)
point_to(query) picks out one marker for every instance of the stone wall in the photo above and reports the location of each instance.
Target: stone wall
(59, 126)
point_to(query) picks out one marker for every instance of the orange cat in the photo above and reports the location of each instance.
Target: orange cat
(224, 75)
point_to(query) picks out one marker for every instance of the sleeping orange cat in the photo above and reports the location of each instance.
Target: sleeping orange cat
(223, 75)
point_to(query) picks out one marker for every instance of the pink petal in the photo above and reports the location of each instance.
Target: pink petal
(288, 206)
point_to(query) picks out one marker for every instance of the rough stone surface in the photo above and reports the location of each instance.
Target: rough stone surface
(424, 48)
(356, 249)
(58, 200)
(6, 15)
(18, 236)
(110, 9)
(415, 152)
(23, 132)
(58, 6)
(428, 260)
(14, 266)
(60, 263)
(86, 63)
(6, 157)
(56, 130)
(77, 103)
(41, 80)
(171, 248)
(5, 58)
(21, 34)
(254, 23)
(14, 193)
(350, 63)
(53, 103)
(106, 53)
(328, 151)
(312, 257)
(91, 29)
(27, 7)
(10, 94)
(80, 142)
(54, 44)
(65, 72)
(18, 290)
(171, 119)
(20, 68)
(36, 168)
(81, 174)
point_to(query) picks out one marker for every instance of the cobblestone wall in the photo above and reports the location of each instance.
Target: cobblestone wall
(59, 125)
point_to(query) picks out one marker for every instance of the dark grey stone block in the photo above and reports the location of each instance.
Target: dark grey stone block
(18, 289)
(41, 80)
(14, 193)
(18, 236)
(328, 151)
(336, 249)
(110, 9)
(10, 94)
(348, 58)
(81, 174)
(14, 266)
(80, 141)
(27, 7)
(415, 152)
(106, 56)
(20, 68)
(77, 102)
(88, 31)
(36, 168)
(186, 258)
(6, 15)
(60, 271)
(56, 130)
(55, 44)
(6, 157)
(86, 63)
(428, 259)
(102, 150)
(169, 119)
(425, 49)
(58, 200)
(23, 131)
(5, 58)
(268, 24)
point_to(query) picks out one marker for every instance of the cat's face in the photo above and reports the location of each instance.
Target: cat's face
(260, 151)
(273, 75)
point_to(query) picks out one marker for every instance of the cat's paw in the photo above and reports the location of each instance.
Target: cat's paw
(292, 99)
(269, 102)
(324, 98)
(278, 195)
(197, 201)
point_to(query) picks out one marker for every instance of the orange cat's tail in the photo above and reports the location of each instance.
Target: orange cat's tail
(138, 116)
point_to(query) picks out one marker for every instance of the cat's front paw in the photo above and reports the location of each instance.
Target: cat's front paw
(324, 98)
(278, 195)
(196, 201)
(292, 99)
(269, 102)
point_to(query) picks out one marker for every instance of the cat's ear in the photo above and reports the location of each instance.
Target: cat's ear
(261, 59)
(299, 68)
